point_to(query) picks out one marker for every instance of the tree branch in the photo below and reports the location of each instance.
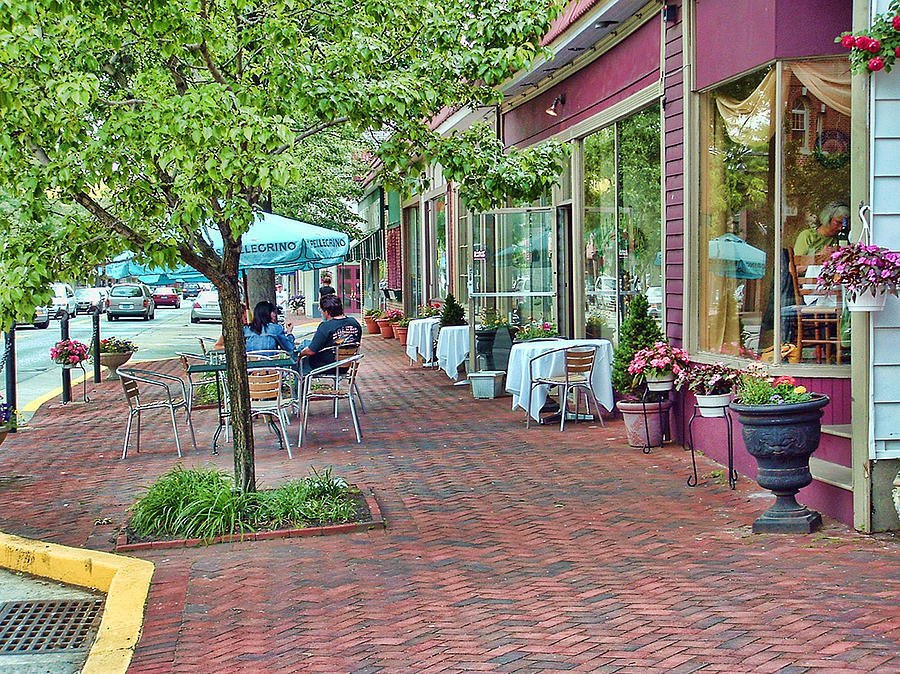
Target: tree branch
(306, 134)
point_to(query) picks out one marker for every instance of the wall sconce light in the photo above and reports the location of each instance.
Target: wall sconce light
(559, 100)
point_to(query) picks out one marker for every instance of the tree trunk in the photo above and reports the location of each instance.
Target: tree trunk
(238, 385)
(260, 286)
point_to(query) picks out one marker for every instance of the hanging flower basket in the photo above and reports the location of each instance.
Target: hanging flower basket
(867, 301)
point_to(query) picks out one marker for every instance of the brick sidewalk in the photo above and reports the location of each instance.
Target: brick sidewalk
(507, 550)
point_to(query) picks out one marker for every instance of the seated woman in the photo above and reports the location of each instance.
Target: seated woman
(265, 334)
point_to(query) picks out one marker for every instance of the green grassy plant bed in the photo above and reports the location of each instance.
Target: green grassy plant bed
(188, 507)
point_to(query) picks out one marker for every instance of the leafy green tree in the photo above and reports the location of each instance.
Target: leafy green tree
(639, 330)
(161, 119)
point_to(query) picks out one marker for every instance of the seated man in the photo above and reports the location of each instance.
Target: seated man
(335, 330)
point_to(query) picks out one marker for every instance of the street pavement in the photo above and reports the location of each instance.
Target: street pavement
(37, 375)
(507, 549)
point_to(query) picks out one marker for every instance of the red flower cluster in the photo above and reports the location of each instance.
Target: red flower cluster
(878, 47)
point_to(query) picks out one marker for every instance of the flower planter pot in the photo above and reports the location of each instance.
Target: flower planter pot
(3, 433)
(869, 301)
(386, 328)
(712, 405)
(661, 383)
(484, 346)
(487, 384)
(114, 361)
(400, 333)
(781, 438)
(637, 433)
(372, 325)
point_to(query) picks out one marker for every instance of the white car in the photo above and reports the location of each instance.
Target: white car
(206, 307)
(63, 302)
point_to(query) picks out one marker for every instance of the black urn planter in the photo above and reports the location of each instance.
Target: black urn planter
(484, 346)
(781, 438)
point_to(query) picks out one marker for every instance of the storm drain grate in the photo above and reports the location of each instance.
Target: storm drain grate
(48, 626)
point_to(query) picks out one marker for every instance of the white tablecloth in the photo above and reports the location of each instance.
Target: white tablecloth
(419, 339)
(518, 378)
(452, 348)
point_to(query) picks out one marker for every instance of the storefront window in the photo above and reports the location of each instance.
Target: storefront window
(438, 214)
(414, 255)
(622, 224)
(757, 278)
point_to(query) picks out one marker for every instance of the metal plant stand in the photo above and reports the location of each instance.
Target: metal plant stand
(693, 480)
(662, 436)
(84, 396)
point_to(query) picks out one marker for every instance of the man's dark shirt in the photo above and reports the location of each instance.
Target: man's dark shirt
(334, 331)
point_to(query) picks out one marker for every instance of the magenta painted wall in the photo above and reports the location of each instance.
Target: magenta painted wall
(733, 37)
(673, 114)
(631, 66)
(711, 438)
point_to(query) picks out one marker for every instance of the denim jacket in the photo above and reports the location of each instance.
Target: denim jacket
(272, 338)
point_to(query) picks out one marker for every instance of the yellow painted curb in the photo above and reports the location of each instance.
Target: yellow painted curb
(125, 580)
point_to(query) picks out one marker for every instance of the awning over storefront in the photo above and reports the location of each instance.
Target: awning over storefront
(370, 247)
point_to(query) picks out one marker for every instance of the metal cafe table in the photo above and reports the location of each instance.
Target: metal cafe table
(217, 365)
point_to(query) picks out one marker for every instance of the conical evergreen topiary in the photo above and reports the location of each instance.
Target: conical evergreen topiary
(639, 330)
(453, 313)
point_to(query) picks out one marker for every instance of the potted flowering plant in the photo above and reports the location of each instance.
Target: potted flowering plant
(386, 322)
(7, 419)
(371, 317)
(877, 48)
(429, 310)
(486, 334)
(69, 353)
(114, 353)
(536, 330)
(711, 385)
(657, 365)
(401, 329)
(866, 273)
(781, 425)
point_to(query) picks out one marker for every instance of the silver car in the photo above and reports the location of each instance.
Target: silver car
(206, 307)
(130, 299)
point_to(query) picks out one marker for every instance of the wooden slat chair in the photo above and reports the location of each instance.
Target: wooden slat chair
(267, 398)
(579, 371)
(317, 390)
(817, 326)
(142, 400)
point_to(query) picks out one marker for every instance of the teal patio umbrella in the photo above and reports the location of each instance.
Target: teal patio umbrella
(272, 242)
(734, 257)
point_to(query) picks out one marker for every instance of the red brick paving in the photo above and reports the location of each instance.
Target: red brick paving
(507, 550)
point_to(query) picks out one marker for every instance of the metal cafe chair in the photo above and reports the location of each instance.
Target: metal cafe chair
(140, 387)
(342, 390)
(579, 371)
(342, 352)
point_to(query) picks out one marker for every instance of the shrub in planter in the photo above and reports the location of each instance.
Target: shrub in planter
(401, 329)
(453, 313)
(371, 317)
(639, 330)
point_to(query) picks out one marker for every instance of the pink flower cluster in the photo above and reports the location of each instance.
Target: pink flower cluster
(860, 268)
(69, 352)
(658, 359)
(879, 47)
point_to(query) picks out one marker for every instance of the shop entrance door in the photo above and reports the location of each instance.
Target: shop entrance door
(349, 287)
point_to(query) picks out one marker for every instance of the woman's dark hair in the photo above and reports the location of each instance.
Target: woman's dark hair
(332, 304)
(262, 316)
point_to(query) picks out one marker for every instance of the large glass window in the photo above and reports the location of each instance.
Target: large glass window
(774, 189)
(440, 260)
(414, 255)
(622, 220)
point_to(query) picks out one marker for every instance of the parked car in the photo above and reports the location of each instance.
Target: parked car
(191, 290)
(655, 299)
(130, 299)
(167, 297)
(90, 300)
(206, 307)
(63, 301)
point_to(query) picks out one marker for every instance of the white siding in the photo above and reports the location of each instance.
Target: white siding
(885, 203)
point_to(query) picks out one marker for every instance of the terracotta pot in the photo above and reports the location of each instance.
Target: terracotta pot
(114, 361)
(386, 328)
(372, 325)
(3, 433)
(400, 333)
(637, 433)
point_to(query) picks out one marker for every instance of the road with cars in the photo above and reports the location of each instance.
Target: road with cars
(169, 332)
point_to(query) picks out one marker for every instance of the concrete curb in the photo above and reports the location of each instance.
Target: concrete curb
(126, 582)
(377, 522)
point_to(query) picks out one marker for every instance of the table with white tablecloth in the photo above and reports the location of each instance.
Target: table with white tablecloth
(420, 338)
(518, 377)
(452, 348)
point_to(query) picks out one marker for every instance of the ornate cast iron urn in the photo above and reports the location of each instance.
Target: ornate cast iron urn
(781, 438)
